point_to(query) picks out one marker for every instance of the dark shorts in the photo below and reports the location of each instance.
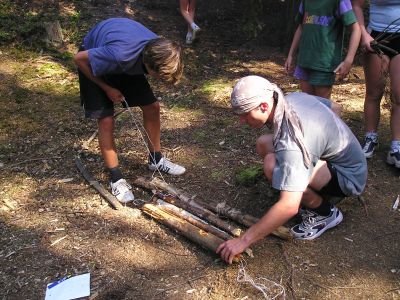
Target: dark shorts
(314, 77)
(393, 42)
(97, 105)
(332, 188)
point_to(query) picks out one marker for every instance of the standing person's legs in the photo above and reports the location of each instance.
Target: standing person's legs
(151, 122)
(106, 141)
(323, 91)
(185, 12)
(394, 71)
(374, 69)
(97, 106)
(187, 8)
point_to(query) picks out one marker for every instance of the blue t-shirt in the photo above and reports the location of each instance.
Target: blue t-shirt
(382, 13)
(115, 46)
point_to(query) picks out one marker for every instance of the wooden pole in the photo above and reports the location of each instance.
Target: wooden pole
(95, 184)
(192, 219)
(205, 214)
(193, 233)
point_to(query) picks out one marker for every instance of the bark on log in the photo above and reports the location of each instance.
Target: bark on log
(231, 213)
(192, 219)
(95, 184)
(193, 233)
(205, 214)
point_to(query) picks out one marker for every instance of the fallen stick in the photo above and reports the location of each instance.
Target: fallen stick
(192, 219)
(229, 212)
(95, 184)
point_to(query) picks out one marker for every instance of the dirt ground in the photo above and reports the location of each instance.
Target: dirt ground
(54, 224)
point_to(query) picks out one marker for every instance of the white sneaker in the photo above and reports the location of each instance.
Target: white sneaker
(196, 29)
(122, 191)
(189, 38)
(166, 166)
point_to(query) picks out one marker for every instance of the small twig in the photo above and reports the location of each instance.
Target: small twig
(386, 234)
(393, 290)
(322, 286)
(9, 254)
(363, 203)
(58, 240)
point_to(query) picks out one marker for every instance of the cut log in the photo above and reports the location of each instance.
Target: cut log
(229, 212)
(193, 233)
(95, 184)
(192, 219)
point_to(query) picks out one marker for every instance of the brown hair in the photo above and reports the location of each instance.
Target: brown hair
(165, 58)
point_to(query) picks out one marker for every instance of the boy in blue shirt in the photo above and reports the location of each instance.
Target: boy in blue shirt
(113, 62)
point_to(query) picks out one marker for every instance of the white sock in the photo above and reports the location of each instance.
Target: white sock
(194, 26)
(372, 135)
(395, 146)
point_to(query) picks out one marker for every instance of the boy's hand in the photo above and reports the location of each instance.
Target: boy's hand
(289, 65)
(342, 70)
(114, 95)
(229, 249)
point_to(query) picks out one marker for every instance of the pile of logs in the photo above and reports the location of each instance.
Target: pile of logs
(204, 223)
(197, 220)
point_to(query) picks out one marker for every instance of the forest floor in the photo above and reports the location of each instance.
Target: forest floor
(54, 224)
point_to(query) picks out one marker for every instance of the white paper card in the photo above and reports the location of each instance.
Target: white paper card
(70, 288)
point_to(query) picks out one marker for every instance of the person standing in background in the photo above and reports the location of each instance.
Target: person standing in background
(187, 8)
(318, 44)
(383, 29)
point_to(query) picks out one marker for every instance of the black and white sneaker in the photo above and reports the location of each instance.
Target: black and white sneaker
(314, 225)
(166, 166)
(393, 158)
(369, 146)
(122, 190)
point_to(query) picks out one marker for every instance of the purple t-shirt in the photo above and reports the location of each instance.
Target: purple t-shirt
(115, 46)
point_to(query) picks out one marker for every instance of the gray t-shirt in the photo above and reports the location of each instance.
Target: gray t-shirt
(327, 138)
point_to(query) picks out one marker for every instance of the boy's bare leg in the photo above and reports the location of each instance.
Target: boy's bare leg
(374, 68)
(323, 91)
(306, 87)
(151, 122)
(319, 178)
(395, 87)
(106, 141)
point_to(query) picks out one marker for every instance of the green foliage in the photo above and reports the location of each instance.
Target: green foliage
(249, 175)
(15, 24)
(253, 18)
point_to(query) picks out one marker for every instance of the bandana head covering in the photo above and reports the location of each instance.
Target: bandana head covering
(249, 92)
